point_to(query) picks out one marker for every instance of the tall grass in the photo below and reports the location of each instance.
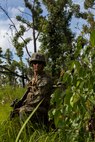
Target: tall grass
(7, 95)
(14, 130)
(9, 131)
(17, 139)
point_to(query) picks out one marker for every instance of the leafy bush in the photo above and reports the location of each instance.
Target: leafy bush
(74, 104)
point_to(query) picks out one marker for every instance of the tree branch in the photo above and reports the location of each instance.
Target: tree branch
(11, 72)
(15, 28)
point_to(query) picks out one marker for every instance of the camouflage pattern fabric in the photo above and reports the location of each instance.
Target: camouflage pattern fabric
(39, 89)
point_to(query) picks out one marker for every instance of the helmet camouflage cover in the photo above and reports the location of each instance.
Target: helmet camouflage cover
(38, 57)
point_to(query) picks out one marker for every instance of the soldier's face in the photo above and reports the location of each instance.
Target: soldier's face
(38, 67)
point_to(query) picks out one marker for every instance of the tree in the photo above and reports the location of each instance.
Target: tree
(56, 39)
(73, 107)
(10, 70)
(53, 31)
(34, 22)
(89, 4)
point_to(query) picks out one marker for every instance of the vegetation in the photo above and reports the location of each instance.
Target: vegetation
(71, 62)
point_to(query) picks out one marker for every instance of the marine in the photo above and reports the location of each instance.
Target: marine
(39, 88)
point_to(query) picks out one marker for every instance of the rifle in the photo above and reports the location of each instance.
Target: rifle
(17, 104)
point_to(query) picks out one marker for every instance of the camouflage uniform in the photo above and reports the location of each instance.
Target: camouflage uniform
(38, 89)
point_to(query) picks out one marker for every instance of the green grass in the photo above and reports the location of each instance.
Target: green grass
(7, 95)
(4, 112)
(15, 131)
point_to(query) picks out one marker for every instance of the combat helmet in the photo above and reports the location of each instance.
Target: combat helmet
(37, 57)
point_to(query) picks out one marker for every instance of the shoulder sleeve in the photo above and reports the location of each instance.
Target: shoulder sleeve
(46, 85)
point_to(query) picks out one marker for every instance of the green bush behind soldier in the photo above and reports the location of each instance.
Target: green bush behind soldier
(40, 87)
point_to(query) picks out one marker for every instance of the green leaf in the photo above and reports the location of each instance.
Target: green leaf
(92, 38)
(68, 96)
(59, 119)
(74, 99)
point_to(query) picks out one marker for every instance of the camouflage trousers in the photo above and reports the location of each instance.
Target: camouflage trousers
(39, 117)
